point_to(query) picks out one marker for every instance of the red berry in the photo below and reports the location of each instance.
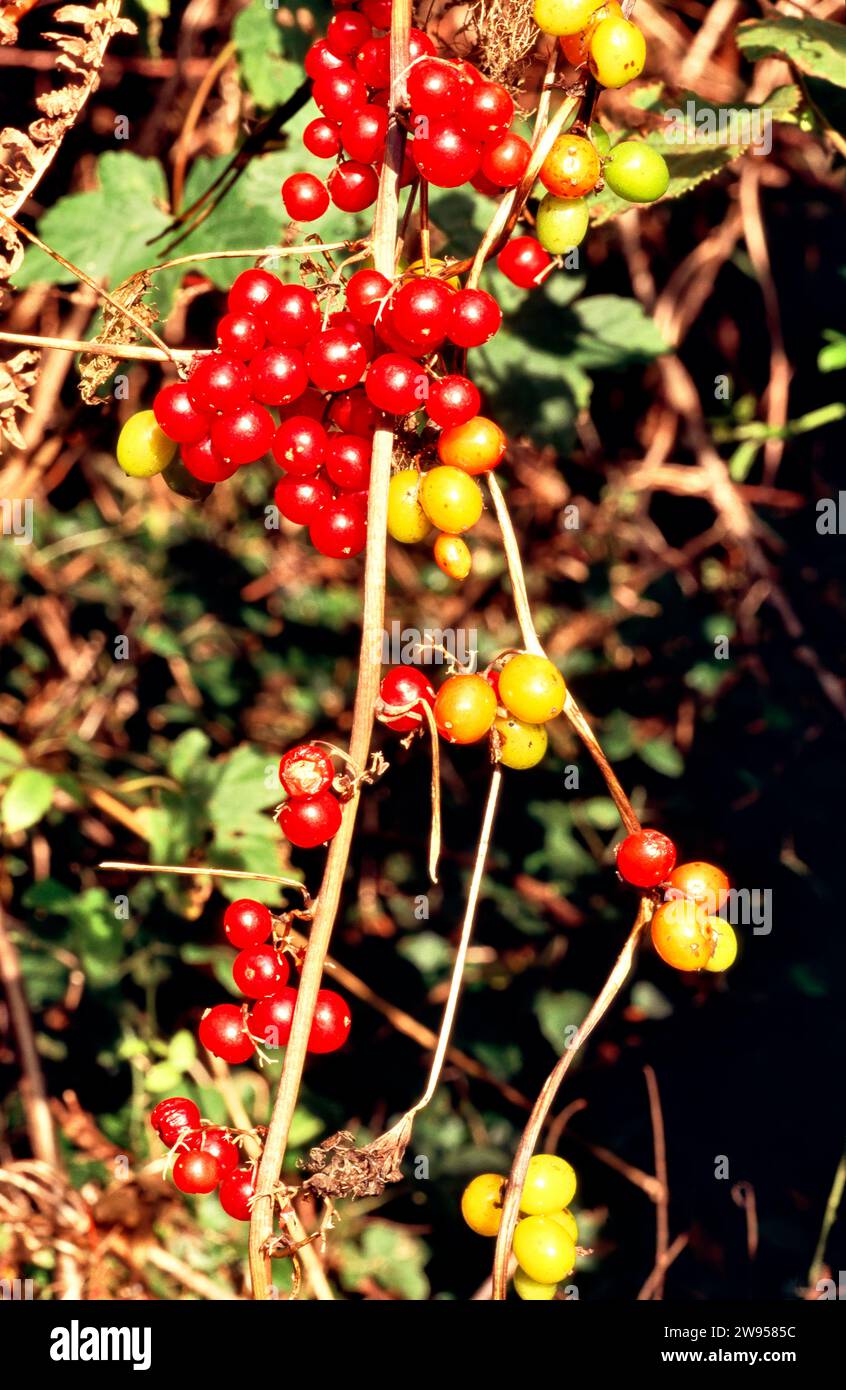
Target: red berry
(259, 970)
(300, 499)
(363, 133)
(311, 403)
(222, 1032)
(217, 1143)
(306, 770)
(453, 400)
(646, 858)
(252, 292)
(348, 461)
(419, 45)
(309, 821)
(447, 155)
(177, 416)
(240, 335)
(196, 1172)
(378, 12)
(270, 1018)
(247, 923)
(353, 186)
(365, 292)
(204, 462)
(322, 138)
(342, 318)
(339, 529)
(373, 62)
(434, 86)
(292, 316)
(474, 318)
(245, 435)
(299, 445)
(237, 1191)
(406, 687)
(278, 375)
(486, 110)
(331, 1024)
(170, 1117)
(320, 60)
(522, 260)
(218, 383)
(335, 360)
(346, 32)
(352, 412)
(506, 161)
(396, 384)
(305, 197)
(421, 310)
(337, 93)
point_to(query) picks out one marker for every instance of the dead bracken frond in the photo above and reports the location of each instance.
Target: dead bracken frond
(117, 330)
(17, 378)
(339, 1169)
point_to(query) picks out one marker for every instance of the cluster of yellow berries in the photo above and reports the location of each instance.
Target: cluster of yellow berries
(545, 1237)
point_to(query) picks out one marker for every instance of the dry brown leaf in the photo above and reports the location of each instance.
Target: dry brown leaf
(17, 377)
(117, 329)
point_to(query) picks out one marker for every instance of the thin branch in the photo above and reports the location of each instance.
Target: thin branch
(656, 1278)
(662, 1206)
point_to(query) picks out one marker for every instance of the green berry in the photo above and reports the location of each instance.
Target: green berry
(637, 172)
(561, 223)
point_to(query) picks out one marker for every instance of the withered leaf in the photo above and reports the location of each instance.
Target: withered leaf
(117, 330)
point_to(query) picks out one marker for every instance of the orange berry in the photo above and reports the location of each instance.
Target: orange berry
(465, 709)
(571, 169)
(682, 934)
(475, 447)
(452, 555)
(576, 47)
(704, 883)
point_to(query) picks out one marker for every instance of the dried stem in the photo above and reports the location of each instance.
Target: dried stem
(662, 1206)
(531, 1134)
(384, 257)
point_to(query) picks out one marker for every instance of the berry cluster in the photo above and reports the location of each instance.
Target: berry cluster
(545, 1237)
(312, 813)
(260, 970)
(686, 931)
(205, 1157)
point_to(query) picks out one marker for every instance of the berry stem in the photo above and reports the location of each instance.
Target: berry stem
(529, 1138)
(384, 243)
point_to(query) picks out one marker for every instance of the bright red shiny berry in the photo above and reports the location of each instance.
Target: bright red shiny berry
(236, 1192)
(378, 12)
(247, 923)
(353, 413)
(243, 436)
(218, 384)
(505, 161)
(205, 463)
(335, 360)
(331, 1024)
(522, 261)
(373, 62)
(240, 335)
(305, 197)
(196, 1172)
(309, 821)
(259, 970)
(366, 290)
(320, 61)
(292, 316)
(222, 1032)
(446, 155)
(252, 292)
(170, 1117)
(339, 92)
(405, 688)
(299, 445)
(421, 310)
(177, 415)
(339, 529)
(322, 138)
(434, 86)
(300, 499)
(363, 133)
(347, 31)
(452, 400)
(353, 186)
(646, 858)
(474, 318)
(348, 461)
(278, 375)
(217, 1143)
(270, 1019)
(396, 383)
(486, 110)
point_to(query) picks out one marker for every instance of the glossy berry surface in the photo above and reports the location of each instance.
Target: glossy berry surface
(506, 161)
(259, 970)
(247, 923)
(481, 1203)
(218, 384)
(322, 138)
(170, 1117)
(339, 92)
(300, 499)
(299, 445)
(348, 461)
(305, 197)
(543, 1249)
(407, 521)
(637, 172)
(292, 316)
(306, 770)
(143, 448)
(196, 1172)
(404, 689)
(617, 52)
(476, 446)
(474, 318)
(243, 436)
(452, 401)
(335, 360)
(396, 383)
(217, 1143)
(550, 1185)
(451, 499)
(366, 290)
(532, 688)
(433, 87)
(452, 555)
(363, 133)
(237, 1191)
(682, 935)
(178, 416)
(222, 1032)
(271, 1018)
(353, 186)
(309, 821)
(331, 1024)
(521, 745)
(725, 945)
(448, 155)
(421, 310)
(346, 31)
(530, 1290)
(465, 708)
(571, 169)
(646, 858)
(563, 16)
(252, 292)
(240, 335)
(278, 375)
(486, 110)
(702, 882)
(561, 223)
(203, 462)
(523, 261)
(339, 529)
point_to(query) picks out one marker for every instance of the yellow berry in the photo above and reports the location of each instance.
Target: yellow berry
(451, 499)
(682, 935)
(407, 521)
(452, 555)
(481, 1203)
(725, 951)
(564, 16)
(521, 745)
(617, 52)
(543, 1249)
(143, 450)
(531, 1290)
(531, 688)
(550, 1184)
(566, 1219)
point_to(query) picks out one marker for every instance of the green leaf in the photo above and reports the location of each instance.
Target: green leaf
(268, 75)
(161, 1078)
(814, 46)
(428, 951)
(614, 333)
(27, 799)
(247, 782)
(182, 1052)
(832, 358)
(11, 756)
(186, 752)
(663, 756)
(559, 1015)
(304, 1127)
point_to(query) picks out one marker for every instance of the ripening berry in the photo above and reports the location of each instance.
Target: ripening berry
(196, 1172)
(521, 745)
(550, 1184)
(481, 1203)
(543, 1249)
(682, 935)
(259, 970)
(532, 688)
(309, 821)
(216, 1142)
(576, 47)
(637, 172)
(143, 449)
(476, 446)
(452, 400)
(566, 1219)
(331, 1024)
(465, 708)
(571, 169)
(448, 155)
(725, 950)
(407, 521)
(617, 52)
(561, 223)
(178, 417)
(645, 858)
(339, 529)
(505, 161)
(564, 16)
(451, 499)
(452, 555)
(271, 1019)
(205, 464)
(305, 196)
(523, 261)
(702, 882)
(486, 110)
(530, 1290)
